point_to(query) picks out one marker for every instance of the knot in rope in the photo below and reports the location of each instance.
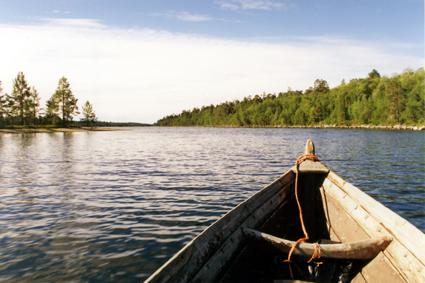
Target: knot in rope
(316, 253)
(306, 156)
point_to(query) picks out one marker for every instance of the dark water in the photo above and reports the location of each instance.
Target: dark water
(113, 206)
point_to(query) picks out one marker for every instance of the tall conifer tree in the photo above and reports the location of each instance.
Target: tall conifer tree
(20, 98)
(33, 105)
(88, 113)
(63, 102)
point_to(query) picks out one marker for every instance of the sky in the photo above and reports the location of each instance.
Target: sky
(141, 60)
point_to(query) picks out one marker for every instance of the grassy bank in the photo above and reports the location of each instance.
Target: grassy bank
(73, 127)
(58, 130)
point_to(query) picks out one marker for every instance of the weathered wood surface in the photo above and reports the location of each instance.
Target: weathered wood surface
(407, 233)
(365, 249)
(184, 265)
(216, 264)
(359, 278)
(309, 147)
(309, 166)
(406, 252)
(376, 271)
(345, 229)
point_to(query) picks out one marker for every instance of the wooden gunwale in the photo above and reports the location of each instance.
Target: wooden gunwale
(218, 261)
(346, 229)
(412, 237)
(405, 253)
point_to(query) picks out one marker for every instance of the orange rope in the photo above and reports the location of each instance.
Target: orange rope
(316, 253)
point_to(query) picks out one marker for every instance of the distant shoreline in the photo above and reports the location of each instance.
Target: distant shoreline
(370, 127)
(107, 129)
(59, 130)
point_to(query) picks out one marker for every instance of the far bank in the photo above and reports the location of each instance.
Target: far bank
(371, 127)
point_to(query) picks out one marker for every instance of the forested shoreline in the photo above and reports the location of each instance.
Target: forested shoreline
(372, 102)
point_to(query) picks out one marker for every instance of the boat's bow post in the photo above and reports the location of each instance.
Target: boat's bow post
(308, 161)
(309, 148)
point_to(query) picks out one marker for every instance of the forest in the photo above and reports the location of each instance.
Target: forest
(21, 108)
(374, 100)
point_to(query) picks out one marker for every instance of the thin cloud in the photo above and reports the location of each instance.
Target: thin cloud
(265, 5)
(73, 22)
(142, 75)
(184, 16)
(60, 12)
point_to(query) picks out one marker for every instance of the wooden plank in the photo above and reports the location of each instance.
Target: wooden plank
(219, 260)
(332, 234)
(376, 271)
(365, 249)
(187, 262)
(397, 254)
(401, 257)
(400, 228)
(347, 229)
(344, 226)
(360, 279)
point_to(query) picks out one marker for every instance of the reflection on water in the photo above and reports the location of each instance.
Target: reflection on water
(113, 206)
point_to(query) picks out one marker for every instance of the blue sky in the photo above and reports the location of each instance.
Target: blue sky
(182, 54)
(395, 20)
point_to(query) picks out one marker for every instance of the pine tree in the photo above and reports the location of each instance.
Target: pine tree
(63, 102)
(88, 113)
(52, 110)
(33, 105)
(20, 98)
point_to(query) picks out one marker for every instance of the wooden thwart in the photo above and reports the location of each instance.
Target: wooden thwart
(365, 249)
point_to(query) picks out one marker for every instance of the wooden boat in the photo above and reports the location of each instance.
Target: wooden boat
(348, 237)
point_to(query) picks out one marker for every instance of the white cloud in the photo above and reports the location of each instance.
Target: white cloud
(184, 16)
(142, 74)
(73, 22)
(265, 5)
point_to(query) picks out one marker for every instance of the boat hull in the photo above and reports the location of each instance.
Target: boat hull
(333, 210)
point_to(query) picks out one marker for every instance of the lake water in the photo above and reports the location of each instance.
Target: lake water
(113, 206)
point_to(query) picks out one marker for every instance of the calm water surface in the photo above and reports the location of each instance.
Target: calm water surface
(113, 206)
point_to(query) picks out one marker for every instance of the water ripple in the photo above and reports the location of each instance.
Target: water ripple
(113, 206)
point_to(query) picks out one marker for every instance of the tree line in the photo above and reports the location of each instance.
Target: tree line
(22, 106)
(374, 100)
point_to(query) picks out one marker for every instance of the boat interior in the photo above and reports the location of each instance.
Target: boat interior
(260, 261)
(341, 235)
(326, 222)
